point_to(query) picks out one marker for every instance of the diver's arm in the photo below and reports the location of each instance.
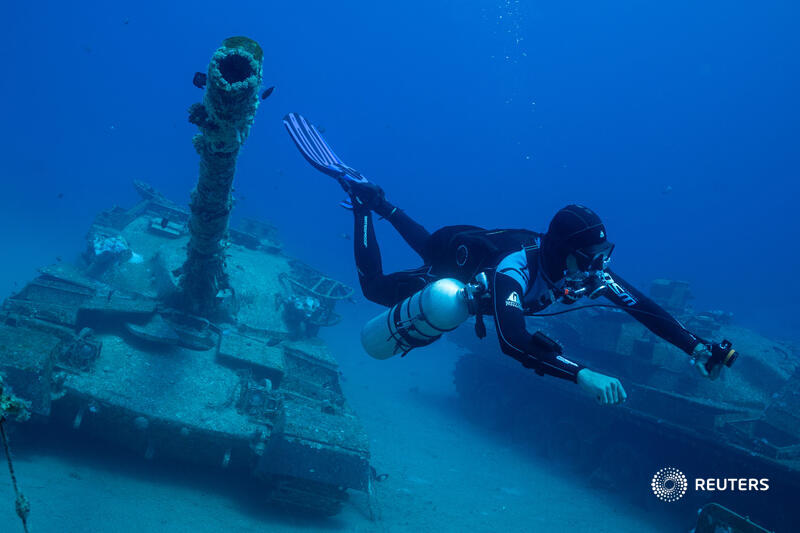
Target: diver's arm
(649, 313)
(515, 339)
(535, 351)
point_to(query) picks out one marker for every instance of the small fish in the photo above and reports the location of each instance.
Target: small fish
(60, 195)
(267, 92)
(666, 190)
(199, 80)
(164, 222)
(58, 258)
(273, 341)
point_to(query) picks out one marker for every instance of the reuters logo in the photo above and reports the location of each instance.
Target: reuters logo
(669, 484)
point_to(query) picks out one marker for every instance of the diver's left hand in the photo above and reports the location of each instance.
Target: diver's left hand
(700, 357)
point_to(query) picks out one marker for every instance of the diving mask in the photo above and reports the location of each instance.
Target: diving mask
(594, 258)
(588, 279)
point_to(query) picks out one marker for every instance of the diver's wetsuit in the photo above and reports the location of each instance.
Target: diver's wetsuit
(520, 289)
(517, 288)
(388, 289)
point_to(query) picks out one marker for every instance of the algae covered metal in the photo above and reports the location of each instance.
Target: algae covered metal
(183, 339)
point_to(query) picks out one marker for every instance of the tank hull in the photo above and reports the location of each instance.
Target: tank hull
(96, 348)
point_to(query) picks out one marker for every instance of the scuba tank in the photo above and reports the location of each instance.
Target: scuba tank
(418, 320)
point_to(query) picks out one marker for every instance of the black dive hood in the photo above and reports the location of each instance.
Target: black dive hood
(577, 230)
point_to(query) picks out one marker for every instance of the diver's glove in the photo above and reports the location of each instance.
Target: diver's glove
(607, 390)
(370, 196)
(700, 357)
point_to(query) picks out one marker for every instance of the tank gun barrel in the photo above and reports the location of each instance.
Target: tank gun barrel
(224, 119)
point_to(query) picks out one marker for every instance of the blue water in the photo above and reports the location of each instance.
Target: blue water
(494, 114)
(677, 122)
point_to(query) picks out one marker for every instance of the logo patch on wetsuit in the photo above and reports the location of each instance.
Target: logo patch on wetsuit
(617, 289)
(513, 300)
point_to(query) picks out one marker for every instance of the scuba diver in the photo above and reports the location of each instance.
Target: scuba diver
(506, 273)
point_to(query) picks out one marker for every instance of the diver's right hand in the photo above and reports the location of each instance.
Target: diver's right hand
(607, 390)
(700, 356)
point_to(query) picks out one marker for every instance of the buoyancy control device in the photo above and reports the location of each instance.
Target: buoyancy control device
(461, 252)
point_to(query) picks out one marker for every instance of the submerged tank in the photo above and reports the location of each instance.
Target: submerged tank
(746, 421)
(183, 339)
(96, 347)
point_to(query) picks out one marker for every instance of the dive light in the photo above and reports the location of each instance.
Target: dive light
(721, 354)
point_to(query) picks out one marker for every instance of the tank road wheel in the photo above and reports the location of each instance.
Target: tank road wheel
(307, 497)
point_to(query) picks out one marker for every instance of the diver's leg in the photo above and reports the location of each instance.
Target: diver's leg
(363, 193)
(414, 233)
(368, 195)
(379, 288)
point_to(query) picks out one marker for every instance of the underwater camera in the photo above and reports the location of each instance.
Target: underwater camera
(721, 354)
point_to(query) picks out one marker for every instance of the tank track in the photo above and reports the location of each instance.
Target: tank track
(305, 496)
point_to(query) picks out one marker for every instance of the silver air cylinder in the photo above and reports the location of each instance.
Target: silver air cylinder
(418, 320)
